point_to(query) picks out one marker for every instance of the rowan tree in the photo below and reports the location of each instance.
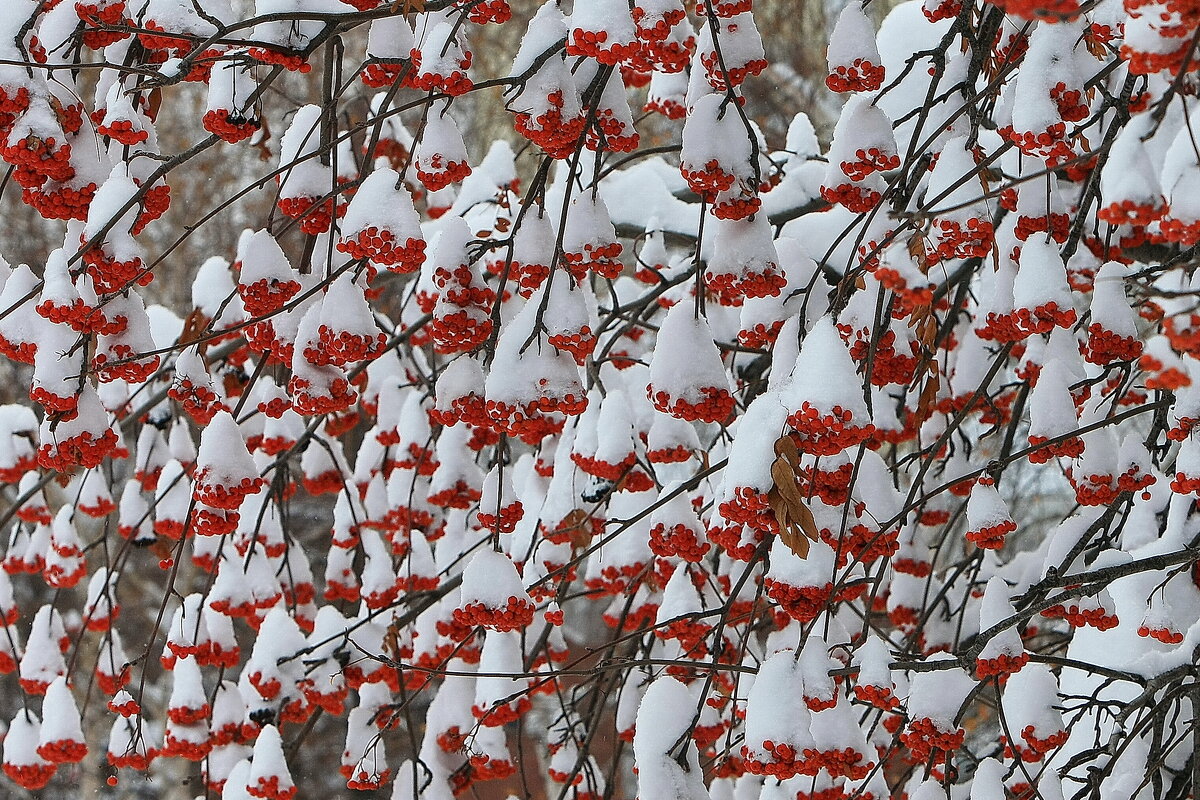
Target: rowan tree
(647, 451)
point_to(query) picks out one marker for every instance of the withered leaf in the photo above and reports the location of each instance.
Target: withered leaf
(155, 101)
(795, 542)
(161, 548)
(193, 327)
(785, 481)
(577, 528)
(260, 141)
(808, 523)
(797, 526)
(928, 397)
(785, 447)
(232, 384)
(391, 641)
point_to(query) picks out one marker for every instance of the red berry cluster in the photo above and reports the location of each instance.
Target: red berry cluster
(991, 537)
(826, 433)
(556, 135)
(30, 776)
(594, 44)
(617, 579)
(1042, 318)
(505, 521)
(38, 159)
(514, 615)
(219, 495)
(436, 173)
(954, 240)
(1133, 212)
(460, 495)
(81, 317)
(1036, 748)
(847, 762)
(381, 246)
(879, 696)
(926, 741)
(481, 12)
(60, 200)
(689, 632)
(292, 62)
(888, 366)
(870, 160)
(266, 296)
(460, 331)
(668, 107)
(85, 449)
(1067, 448)
(1104, 347)
(1162, 634)
(716, 406)
(678, 540)
(600, 258)
(1045, 144)
(315, 215)
(230, 126)
(53, 402)
(722, 79)
(1057, 226)
(801, 603)
(1000, 666)
(785, 761)
(723, 8)
(709, 179)
(110, 275)
(861, 543)
(662, 23)
(579, 344)
(379, 74)
(339, 348)
(859, 76)
(1080, 617)
(759, 336)
(750, 507)
(269, 788)
(123, 131)
(454, 84)
(736, 204)
(609, 132)
(852, 196)
(213, 522)
(155, 203)
(1143, 62)
(312, 401)
(122, 362)
(1095, 490)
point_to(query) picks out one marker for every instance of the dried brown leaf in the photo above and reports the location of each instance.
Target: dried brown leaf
(260, 141)
(576, 524)
(808, 523)
(928, 397)
(795, 541)
(785, 481)
(785, 447)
